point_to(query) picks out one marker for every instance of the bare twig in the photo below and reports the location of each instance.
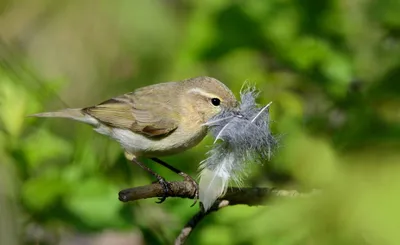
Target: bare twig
(251, 196)
(248, 196)
(186, 231)
(184, 189)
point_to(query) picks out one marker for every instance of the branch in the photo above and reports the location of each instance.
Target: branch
(188, 228)
(251, 196)
(184, 189)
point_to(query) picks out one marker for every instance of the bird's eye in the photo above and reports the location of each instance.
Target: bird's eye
(215, 101)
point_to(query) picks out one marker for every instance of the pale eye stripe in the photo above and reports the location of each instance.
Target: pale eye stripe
(202, 92)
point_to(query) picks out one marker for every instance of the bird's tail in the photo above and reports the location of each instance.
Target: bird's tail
(75, 114)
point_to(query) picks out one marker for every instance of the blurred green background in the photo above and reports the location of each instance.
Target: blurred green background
(331, 67)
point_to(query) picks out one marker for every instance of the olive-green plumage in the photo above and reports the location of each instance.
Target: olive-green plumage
(159, 119)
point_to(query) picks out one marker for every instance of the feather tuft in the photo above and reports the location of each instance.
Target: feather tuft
(212, 185)
(242, 136)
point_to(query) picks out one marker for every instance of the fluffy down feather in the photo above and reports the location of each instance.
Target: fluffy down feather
(242, 136)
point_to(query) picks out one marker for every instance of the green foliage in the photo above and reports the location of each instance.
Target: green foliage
(330, 67)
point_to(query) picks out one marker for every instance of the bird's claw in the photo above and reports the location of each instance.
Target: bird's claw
(166, 189)
(195, 186)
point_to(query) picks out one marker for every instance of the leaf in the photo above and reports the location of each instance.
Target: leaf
(41, 192)
(95, 202)
(43, 145)
(13, 103)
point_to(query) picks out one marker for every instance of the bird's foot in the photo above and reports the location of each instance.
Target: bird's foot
(166, 189)
(187, 177)
(195, 186)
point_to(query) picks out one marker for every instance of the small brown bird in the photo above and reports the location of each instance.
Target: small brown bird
(157, 120)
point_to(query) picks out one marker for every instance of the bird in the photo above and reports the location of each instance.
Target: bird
(157, 120)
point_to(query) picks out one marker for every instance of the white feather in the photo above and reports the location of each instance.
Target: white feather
(261, 111)
(214, 183)
(220, 132)
(216, 121)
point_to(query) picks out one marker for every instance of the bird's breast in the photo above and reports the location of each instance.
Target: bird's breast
(179, 140)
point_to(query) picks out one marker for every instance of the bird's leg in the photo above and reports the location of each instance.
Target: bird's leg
(183, 174)
(160, 179)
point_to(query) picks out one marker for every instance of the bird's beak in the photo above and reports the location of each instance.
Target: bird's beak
(237, 112)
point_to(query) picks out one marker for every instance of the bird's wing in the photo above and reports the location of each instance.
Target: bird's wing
(139, 112)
